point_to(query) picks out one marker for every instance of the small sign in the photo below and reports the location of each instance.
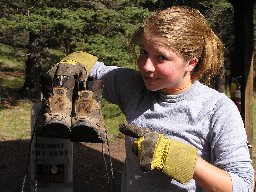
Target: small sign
(47, 173)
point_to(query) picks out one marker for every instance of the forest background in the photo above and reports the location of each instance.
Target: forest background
(102, 28)
(36, 34)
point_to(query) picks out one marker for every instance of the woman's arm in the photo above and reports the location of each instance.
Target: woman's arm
(230, 168)
(211, 178)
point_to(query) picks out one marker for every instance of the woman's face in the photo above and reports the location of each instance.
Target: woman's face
(161, 67)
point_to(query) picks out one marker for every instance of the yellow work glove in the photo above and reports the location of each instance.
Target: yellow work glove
(174, 158)
(83, 58)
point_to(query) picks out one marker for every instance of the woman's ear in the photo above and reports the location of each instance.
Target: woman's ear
(192, 63)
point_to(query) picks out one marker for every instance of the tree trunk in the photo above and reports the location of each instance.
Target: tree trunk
(67, 45)
(36, 52)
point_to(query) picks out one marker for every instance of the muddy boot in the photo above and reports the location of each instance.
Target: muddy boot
(55, 114)
(87, 121)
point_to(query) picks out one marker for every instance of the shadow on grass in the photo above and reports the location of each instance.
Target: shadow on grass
(10, 91)
(10, 97)
(89, 172)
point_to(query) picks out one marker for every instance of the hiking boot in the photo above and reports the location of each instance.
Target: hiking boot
(55, 114)
(87, 121)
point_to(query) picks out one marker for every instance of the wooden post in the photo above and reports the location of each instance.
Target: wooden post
(243, 61)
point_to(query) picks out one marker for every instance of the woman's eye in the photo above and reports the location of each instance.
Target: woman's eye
(161, 57)
(143, 52)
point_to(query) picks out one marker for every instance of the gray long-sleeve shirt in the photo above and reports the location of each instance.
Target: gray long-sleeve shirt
(201, 117)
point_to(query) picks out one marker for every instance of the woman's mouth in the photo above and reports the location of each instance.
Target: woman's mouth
(149, 80)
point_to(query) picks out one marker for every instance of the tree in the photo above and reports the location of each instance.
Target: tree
(40, 26)
(37, 51)
(90, 26)
(32, 24)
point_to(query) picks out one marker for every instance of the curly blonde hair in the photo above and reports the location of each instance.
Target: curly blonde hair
(188, 32)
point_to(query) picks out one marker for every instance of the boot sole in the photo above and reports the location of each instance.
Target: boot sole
(55, 130)
(82, 133)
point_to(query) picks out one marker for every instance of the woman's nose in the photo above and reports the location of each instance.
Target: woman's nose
(148, 65)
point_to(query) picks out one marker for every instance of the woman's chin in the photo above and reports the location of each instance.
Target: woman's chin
(152, 88)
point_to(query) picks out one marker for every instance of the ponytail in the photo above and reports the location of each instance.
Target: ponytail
(211, 59)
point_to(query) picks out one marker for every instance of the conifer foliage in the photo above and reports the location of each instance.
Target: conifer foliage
(100, 27)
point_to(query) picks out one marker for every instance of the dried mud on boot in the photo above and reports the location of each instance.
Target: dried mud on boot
(87, 121)
(55, 118)
(71, 105)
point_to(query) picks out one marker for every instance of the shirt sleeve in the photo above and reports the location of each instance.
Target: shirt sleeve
(229, 145)
(120, 84)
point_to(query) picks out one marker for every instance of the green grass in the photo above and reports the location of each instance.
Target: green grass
(12, 59)
(14, 114)
(12, 82)
(15, 121)
(113, 117)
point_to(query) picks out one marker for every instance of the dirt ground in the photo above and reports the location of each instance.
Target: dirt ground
(89, 170)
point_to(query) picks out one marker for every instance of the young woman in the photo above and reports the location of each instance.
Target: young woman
(178, 50)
